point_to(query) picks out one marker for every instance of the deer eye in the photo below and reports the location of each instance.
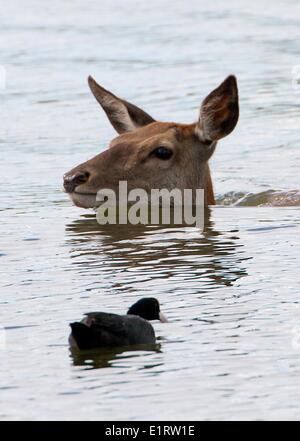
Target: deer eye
(162, 153)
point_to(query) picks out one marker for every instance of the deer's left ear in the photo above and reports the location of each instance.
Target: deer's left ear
(123, 115)
(219, 112)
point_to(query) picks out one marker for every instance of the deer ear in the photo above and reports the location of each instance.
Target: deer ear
(124, 116)
(219, 112)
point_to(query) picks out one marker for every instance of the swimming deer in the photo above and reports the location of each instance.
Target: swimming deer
(149, 154)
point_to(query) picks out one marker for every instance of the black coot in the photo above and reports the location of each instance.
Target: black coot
(104, 330)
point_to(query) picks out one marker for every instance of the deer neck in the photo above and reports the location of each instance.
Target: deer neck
(208, 188)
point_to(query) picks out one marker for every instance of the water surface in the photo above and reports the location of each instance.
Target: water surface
(232, 347)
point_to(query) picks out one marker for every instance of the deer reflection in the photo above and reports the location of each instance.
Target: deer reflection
(127, 254)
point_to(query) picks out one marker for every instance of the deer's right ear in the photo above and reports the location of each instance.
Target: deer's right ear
(219, 112)
(124, 116)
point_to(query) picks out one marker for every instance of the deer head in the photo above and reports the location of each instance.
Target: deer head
(151, 154)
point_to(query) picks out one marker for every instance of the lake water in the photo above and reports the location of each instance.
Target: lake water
(232, 293)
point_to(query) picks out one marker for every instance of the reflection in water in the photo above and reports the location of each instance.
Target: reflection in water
(156, 252)
(101, 358)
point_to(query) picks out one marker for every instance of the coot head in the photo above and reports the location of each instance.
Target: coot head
(148, 308)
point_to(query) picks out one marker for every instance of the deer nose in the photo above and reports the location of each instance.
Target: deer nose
(71, 181)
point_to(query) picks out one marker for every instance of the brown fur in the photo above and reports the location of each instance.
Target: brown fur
(131, 155)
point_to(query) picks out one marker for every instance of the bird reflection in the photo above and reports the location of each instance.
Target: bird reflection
(103, 358)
